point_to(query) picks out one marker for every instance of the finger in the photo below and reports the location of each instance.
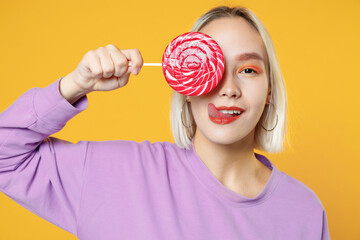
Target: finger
(119, 59)
(106, 62)
(136, 59)
(92, 62)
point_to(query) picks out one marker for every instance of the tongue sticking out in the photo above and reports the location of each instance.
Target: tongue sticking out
(213, 112)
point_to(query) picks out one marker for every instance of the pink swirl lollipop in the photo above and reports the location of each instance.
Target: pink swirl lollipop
(193, 64)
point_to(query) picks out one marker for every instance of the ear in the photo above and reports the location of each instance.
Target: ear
(268, 96)
(187, 98)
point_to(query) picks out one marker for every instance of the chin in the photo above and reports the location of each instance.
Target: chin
(224, 137)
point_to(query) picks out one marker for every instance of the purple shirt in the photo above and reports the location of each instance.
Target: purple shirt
(138, 190)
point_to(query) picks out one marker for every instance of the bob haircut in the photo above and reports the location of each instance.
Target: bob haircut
(274, 117)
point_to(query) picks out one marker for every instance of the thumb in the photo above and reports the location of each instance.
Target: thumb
(124, 79)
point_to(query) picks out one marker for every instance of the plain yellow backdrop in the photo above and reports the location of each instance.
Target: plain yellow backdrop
(317, 44)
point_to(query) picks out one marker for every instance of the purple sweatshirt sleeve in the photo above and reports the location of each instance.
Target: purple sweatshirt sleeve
(43, 174)
(325, 228)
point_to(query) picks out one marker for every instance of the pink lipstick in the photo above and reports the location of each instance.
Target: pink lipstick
(224, 118)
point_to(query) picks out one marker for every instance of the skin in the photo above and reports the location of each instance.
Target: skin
(228, 150)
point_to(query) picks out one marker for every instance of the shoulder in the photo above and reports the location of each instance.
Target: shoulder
(134, 149)
(119, 156)
(298, 192)
(126, 145)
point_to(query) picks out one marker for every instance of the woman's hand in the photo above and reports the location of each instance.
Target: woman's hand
(104, 69)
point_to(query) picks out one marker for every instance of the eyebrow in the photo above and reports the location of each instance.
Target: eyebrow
(249, 55)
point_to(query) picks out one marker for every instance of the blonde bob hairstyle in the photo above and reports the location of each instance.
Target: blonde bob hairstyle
(274, 115)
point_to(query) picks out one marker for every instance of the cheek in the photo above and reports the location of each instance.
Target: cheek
(199, 111)
(256, 95)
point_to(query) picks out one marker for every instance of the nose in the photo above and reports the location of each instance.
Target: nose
(229, 87)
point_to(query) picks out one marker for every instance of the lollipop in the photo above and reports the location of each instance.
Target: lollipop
(193, 64)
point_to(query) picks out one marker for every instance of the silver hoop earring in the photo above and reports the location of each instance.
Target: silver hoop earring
(275, 123)
(182, 110)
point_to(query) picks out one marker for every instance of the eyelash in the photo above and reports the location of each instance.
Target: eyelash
(249, 69)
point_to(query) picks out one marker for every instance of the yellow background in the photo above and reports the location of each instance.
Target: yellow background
(317, 43)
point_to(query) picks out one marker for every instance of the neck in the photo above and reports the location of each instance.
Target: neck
(233, 163)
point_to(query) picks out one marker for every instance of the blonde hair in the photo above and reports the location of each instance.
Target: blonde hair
(275, 113)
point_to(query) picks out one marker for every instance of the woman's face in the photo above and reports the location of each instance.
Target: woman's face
(244, 83)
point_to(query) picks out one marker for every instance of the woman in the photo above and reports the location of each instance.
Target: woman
(208, 185)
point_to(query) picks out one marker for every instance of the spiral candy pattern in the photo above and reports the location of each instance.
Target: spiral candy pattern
(193, 64)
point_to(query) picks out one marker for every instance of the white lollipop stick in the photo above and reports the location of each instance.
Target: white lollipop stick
(149, 64)
(152, 64)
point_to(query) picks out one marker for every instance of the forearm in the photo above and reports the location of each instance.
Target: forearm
(35, 115)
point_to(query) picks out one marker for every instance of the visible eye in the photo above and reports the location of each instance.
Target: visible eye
(248, 70)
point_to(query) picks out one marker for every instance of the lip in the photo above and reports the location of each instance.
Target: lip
(229, 108)
(221, 118)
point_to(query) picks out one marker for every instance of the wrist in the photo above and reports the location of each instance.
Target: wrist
(69, 89)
